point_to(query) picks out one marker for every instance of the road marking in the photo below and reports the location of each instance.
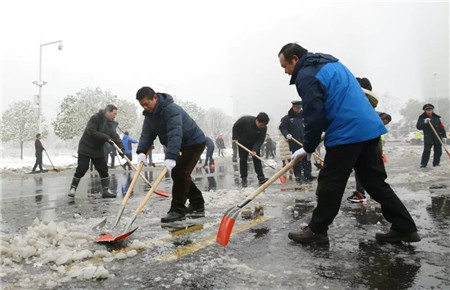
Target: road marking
(191, 248)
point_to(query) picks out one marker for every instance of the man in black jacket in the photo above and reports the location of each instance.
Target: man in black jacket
(292, 127)
(251, 131)
(180, 134)
(100, 128)
(39, 148)
(430, 139)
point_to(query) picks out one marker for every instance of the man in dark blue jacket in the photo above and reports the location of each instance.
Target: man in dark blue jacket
(250, 132)
(180, 134)
(333, 102)
(291, 126)
(127, 143)
(429, 137)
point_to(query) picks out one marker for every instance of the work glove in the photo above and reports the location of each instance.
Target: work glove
(170, 164)
(122, 152)
(427, 120)
(289, 136)
(444, 140)
(142, 158)
(301, 152)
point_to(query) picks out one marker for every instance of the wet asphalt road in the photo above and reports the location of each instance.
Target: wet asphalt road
(184, 255)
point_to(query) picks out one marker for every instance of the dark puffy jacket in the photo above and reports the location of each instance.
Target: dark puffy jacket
(98, 130)
(246, 132)
(174, 127)
(292, 124)
(333, 102)
(429, 136)
(38, 146)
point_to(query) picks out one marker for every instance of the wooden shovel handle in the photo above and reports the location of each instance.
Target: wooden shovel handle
(439, 138)
(150, 192)
(251, 152)
(271, 180)
(299, 143)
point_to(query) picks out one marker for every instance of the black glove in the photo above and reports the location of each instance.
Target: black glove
(122, 152)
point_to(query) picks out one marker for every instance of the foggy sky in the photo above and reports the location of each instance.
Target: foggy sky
(219, 55)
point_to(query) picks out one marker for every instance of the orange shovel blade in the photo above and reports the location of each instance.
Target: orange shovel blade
(162, 193)
(224, 233)
(282, 179)
(110, 238)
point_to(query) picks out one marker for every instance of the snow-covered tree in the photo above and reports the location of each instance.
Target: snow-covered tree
(196, 113)
(20, 123)
(130, 118)
(217, 122)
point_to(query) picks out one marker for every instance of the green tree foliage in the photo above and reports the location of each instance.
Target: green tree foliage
(20, 123)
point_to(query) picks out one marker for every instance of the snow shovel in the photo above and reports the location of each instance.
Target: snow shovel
(56, 170)
(318, 165)
(110, 237)
(158, 192)
(227, 223)
(282, 178)
(440, 140)
(130, 189)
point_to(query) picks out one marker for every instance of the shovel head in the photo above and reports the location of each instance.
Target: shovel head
(110, 238)
(162, 193)
(224, 233)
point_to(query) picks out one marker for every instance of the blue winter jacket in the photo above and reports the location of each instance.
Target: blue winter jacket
(333, 102)
(127, 140)
(174, 127)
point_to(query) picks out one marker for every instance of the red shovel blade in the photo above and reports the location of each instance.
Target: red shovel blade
(282, 179)
(225, 228)
(110, 238)
(162, 193)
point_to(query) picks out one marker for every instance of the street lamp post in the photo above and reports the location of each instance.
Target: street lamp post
(40, 83)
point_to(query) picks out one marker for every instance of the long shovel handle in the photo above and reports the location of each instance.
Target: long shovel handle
(439, 138)
(314, 154)
(251, 152)
(270, 181)
(131, 164)
(150, 192)
(48, 156)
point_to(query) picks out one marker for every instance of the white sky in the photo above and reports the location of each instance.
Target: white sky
(218, 55)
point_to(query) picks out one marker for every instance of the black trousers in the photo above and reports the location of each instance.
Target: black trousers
(209, 156)
(427, 152)
(303, 166)
(130, 156)
(83, 166)
(243, 155)
(38, 161)
(365, 158)
(183, 187)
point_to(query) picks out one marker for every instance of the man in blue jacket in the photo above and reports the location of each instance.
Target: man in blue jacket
(127, 143)
(180, 134)
(333, 102)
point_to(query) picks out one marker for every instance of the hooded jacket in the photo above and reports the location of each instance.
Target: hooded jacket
(429, 137)
(248, 134)
(174, 127)
(333, 102)
(98, 130)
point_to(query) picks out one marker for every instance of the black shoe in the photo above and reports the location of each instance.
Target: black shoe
(298, 180)
(173, 216)
(308, 236)
(195, 211)
(106, 193)
(262, 180)
(395, 237)
(423, 166)
(244, 182)
(309, 178)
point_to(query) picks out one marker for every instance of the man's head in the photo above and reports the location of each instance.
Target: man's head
(147, 98)
(385, 118)
(428, 108)
(262, 120)
(296, 106)
(110, 112)
(126, 132)
(38, 136)
(289, 55)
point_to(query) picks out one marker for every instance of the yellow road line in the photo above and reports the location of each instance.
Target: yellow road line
(191, 248)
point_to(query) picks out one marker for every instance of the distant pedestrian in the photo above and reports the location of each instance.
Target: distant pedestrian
(284, 152)
(38, 153)
(291, 126)
(269, 148)
(333, 102)
(128, 145)
(251, 131)
(220, 143)
(429, 137)
(209, 152)
(101, 128)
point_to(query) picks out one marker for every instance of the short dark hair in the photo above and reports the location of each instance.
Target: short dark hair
(110, 108)
(385, 116)
(145, 92)
(37, 135)
(126, 132)
(364, 83)
(263, 118)
(291, 49)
